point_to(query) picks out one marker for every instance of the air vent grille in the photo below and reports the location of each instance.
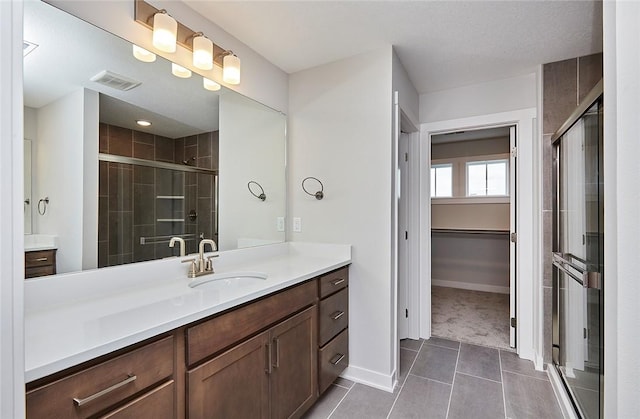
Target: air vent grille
(115, 81)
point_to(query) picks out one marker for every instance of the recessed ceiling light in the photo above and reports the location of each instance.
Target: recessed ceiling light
(143, 123)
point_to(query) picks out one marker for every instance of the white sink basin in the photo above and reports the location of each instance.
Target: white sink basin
(229, 279)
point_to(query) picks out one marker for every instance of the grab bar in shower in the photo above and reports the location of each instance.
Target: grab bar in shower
(165, 239)
(586, 278)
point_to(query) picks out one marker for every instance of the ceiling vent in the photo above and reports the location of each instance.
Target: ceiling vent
(27, 47)
(115, 81)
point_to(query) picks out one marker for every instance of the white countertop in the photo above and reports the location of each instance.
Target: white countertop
(35, 242)
(72, 318)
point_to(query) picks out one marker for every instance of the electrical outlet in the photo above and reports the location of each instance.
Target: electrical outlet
(297, 224)
(280, 224)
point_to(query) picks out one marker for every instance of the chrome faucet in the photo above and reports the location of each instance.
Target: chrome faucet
(173, 241)
(200, 266)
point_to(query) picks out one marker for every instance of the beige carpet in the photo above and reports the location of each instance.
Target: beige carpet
(470, 316)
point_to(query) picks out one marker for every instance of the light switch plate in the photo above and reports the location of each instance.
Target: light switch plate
(280, 224)
(297, 224)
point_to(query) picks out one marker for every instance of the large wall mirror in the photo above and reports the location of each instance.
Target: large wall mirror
(118, 191)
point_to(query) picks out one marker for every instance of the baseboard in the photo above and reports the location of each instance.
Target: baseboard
(470, 286)
(561, 394)
(370, 378)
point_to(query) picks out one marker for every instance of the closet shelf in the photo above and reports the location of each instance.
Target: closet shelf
(468, 231)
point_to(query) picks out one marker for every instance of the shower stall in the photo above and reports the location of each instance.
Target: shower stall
(578, 256)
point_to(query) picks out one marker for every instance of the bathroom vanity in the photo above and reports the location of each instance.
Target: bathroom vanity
(265, 348)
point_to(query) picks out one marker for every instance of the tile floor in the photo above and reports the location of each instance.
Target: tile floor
(441, 378)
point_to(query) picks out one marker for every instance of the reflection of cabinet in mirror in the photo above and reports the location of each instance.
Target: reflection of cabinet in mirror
(150, 187)
(39, 263)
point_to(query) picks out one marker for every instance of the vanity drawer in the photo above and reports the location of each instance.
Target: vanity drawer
(333, 358)
(334, 281)
(334, 315)
(39, 258)
(39, 271)
(212, 336)
(156, 404)
(107, 384)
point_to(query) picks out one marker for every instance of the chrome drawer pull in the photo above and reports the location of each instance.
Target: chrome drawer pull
(337, 282)
(41, 259)
(335, 361)
(80, 402)
(337, 315)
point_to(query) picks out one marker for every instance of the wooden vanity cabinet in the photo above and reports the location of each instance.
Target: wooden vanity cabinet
(333, 324)
(128, 385)
(271, 375)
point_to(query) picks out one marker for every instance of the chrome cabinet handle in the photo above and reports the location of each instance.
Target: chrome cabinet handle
(41, 259)
(337, 315)
(267, 347)
(80, 402)
(335, 361)
(277, 342)
(337, 282)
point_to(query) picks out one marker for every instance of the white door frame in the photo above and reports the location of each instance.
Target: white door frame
(529, 289)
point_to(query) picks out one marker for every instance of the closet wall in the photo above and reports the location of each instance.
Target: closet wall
(470, 240)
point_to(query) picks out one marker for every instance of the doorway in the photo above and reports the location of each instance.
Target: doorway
(473, 197)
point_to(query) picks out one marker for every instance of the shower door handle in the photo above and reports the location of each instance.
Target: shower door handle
(586, 278)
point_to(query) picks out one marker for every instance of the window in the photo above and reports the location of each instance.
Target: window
(441, 180)
(488, 178)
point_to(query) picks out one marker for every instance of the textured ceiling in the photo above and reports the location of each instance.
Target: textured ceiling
(442, 44)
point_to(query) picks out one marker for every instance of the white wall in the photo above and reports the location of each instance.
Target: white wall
(409, 98)
(11, 226)
(622, 206)
(252, 143)
(470, 216)
(260, 79)
(479, 99)
(340, 131)
(60, 151)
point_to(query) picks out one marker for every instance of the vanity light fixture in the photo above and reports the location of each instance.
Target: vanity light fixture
(143, 123)
(231, 68)
(210, 84)
(165, 31)
(179, 71)
(320, 194)
(202, 51)
(143, 55)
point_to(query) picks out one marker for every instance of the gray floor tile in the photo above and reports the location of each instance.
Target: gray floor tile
(528, 397)
(326, 403)
(513, 363)
(412, 344)
(422, 398)
(476, 398)
(445, 343)
(407, 357)
(343, 382)
(364, 402)
(436, 363)
(479, 361)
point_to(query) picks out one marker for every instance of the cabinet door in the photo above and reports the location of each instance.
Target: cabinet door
(232, 385)
(294, 365)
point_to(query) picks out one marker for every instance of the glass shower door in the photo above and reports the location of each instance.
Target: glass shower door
(578, 262)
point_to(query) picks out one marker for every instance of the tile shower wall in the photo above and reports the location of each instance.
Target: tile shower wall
(565, 84)
(138, 201)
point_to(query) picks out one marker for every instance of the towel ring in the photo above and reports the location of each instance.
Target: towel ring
(260, 196)
(42, 205)
(320, 194)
